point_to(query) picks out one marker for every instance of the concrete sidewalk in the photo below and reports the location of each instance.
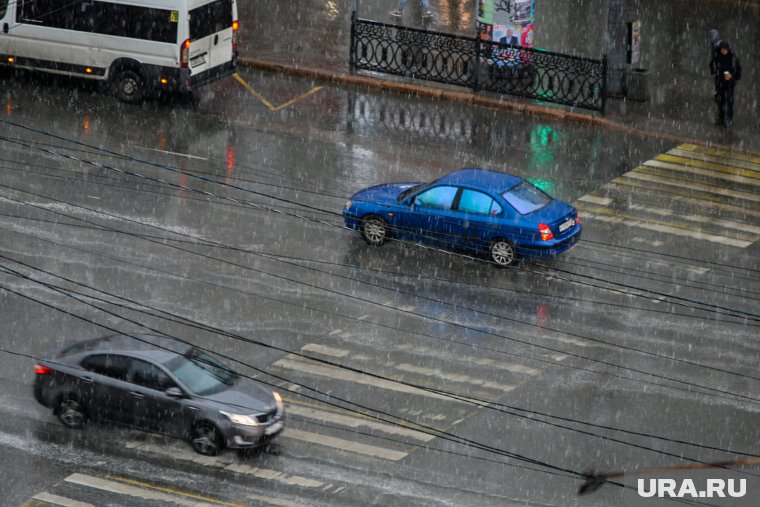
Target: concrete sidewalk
(311, 38)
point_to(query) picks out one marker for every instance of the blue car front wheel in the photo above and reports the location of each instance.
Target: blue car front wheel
(374, 230)
(503, 253)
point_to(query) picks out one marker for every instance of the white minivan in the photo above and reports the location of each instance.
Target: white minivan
(138, 46)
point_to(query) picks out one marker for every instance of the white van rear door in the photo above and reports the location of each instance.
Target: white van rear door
(210, 35)
(5, 26)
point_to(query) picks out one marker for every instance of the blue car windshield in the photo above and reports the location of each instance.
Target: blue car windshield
(409, 191)
(526, 198)
(201, 373)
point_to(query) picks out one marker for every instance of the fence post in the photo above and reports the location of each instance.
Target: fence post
(476, 66)
(604, 83)
(352, 48)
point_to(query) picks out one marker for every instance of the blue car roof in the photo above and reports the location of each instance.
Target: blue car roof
(494, 181)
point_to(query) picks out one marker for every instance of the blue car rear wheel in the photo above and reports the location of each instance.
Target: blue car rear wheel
(503, 253)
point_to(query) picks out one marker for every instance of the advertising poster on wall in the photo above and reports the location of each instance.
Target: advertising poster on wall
(509, 22)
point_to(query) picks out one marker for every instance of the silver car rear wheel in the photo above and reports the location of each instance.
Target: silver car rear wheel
(71, 413)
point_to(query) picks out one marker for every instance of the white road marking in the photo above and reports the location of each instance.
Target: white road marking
(727, 160)
(604, 201)
(325, 351)
(659, 164)
(183, 454)
(344, 445)
(665, 229)
(705, 203)
(735, 194)
(311, 368)
(59, 500)
(453, 377)
(186, 155)
(357, 422)
(511, 367)
(727, 224)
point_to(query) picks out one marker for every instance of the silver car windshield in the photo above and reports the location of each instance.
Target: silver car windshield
(201, 373)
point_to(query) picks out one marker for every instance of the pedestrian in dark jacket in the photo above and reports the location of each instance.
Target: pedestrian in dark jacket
(727, 70)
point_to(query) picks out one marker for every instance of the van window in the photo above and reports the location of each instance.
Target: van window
(106, 18)
(3, 7)
(210, 18)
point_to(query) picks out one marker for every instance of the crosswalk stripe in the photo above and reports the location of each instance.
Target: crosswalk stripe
(717, 222)
(185, 454)
(720, 153)
(59, 500)
(357, 422)
(692, 186)
(710, 173)
(728, 162)
(304, 366)
(453, 377)
(609, 216)
(344, 445)
(604, 201)
(680, 197)
(712, 166)
(324, 350)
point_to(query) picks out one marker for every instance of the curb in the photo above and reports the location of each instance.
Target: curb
(505, 104)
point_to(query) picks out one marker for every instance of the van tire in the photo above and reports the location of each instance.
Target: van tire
(129, 86)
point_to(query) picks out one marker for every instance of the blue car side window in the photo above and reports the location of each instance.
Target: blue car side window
(472, 201)
(438, 197)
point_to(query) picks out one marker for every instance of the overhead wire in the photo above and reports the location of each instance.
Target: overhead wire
(427, 317)
(480, 403)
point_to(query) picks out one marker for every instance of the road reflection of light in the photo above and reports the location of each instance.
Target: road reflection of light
(456, 14)
(333, 11)
(86, 125)
(162, 139)
(543, 145)
(9, 107)
(543, 315)
(230, 163)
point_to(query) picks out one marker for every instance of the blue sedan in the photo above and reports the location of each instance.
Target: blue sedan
(471, 209)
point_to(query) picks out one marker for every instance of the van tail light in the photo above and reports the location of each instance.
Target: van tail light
(546, 232)
(41, 369)
(184, 54)
(235, 28)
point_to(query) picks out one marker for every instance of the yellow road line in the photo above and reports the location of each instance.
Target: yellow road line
(701, 164)
(268, 104)
(719, 204)
(720, 153)
(173, 491)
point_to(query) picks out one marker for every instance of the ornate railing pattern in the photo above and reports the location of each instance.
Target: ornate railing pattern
(480, 65)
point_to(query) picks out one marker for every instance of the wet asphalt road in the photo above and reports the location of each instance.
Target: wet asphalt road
(189, 219)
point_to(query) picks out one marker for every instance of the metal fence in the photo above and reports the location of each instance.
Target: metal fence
(478, 64)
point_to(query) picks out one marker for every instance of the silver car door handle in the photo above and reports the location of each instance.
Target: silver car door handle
(192, 408)
(87, 379)
(136, 394)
